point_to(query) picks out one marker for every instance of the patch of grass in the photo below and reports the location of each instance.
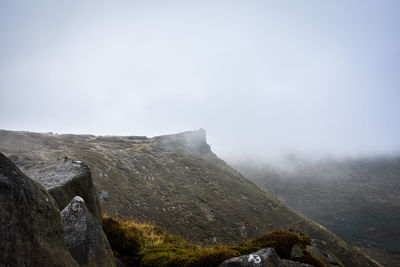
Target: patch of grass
(176, 255)
(281, 241)
(124, 239)
(146, 245)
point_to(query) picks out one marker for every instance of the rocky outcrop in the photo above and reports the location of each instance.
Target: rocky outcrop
(84, 236)
(318, 250)
(266, 257)
(301, 255)
(31, 233)
(193, 141)
(64, 179)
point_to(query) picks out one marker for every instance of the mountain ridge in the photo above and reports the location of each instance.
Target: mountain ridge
(177, 183)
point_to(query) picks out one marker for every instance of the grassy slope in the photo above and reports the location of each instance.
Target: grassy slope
(177, 183)
(146, 245)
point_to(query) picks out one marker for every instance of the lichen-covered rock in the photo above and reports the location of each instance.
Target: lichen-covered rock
(64, 179)
(266, 257)
(263, 257)
(84, 236)
(31, 233)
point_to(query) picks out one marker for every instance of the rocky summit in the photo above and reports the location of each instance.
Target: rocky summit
(177, 183)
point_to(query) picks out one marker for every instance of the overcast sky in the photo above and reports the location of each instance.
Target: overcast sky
(263, 78)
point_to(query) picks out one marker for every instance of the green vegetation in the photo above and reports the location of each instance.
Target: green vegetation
(282, 241)
(146, 245)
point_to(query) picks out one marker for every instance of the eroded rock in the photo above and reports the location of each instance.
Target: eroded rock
(84, 236)
(31, 233)
(64, 179)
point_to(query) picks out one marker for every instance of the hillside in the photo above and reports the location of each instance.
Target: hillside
(175, 182)
(358, 199)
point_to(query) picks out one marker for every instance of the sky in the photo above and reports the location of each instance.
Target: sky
(264, 78)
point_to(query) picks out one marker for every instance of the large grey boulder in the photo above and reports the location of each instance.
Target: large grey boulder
(64, 179)
(31, 233)
(266, 257)
(84, 236)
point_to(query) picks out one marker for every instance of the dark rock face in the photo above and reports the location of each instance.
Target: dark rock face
(84, 236)
(262, 258)
(63, 179)
(31, 233)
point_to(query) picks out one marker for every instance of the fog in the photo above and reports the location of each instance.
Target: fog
(265, 79)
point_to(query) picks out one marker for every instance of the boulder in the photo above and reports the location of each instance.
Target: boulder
(31, 233)
(84, 236)
(318, 250)
(263, 257)
(64, 179)
(266, 257)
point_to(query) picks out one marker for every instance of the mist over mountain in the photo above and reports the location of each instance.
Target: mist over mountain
(301, 97)
(264, 78)
(356, 198)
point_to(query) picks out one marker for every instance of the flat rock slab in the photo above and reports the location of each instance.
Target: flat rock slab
(84, 236)
(31, 233)
(64, 179)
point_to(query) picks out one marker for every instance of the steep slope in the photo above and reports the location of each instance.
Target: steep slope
(176, 182)
(358, 199)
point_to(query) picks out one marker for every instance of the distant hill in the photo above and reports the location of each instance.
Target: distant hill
(358, 199)
(177, 183)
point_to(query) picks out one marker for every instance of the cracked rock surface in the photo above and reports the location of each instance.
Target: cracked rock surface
(63, 178)
(84, 236)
